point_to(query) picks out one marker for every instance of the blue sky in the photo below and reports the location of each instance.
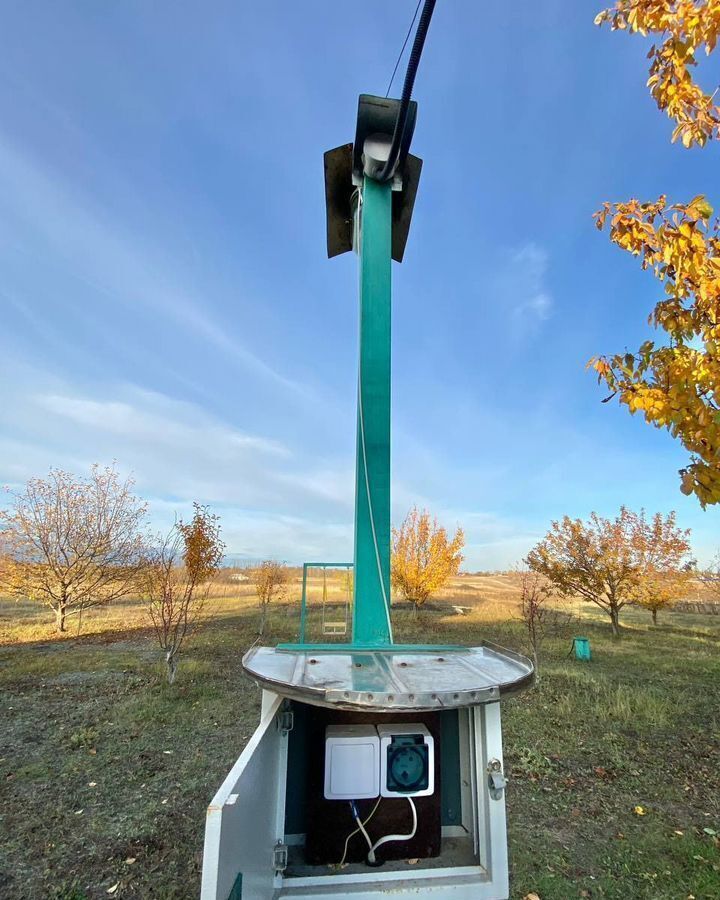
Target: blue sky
(166, 300)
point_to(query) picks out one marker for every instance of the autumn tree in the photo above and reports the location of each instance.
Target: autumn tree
(611, 562)
(269, 580)
(675, 381)
(537, 610)
(177, 578)
(424, 558)
(660, 589)
(73, 542)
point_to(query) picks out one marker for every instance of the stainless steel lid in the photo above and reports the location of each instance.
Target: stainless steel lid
(392, 679)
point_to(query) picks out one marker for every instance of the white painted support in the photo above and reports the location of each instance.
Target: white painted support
(266, 701)
(242, 820)
(492, 821)
(448, 887)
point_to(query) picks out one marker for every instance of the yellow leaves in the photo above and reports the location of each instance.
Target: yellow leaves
(698, 207)
(601, 366)
(683, 27)
(676, 386)
(639, 810)
(423, 557)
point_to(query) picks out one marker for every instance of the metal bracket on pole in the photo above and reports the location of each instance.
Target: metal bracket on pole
(344, 172)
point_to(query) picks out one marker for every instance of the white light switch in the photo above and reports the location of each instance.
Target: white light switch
(352, 762)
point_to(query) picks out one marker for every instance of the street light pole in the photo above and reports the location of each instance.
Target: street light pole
(373, 240)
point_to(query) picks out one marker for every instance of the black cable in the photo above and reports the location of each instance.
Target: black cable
(407, 38)
(388, 169)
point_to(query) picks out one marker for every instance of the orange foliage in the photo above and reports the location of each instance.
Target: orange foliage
(675, 385)
(178, 574)
(684, 28)
(612, 562)
(423, 557)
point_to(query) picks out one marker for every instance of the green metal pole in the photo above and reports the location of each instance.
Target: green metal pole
(371, 606)
(303, 604)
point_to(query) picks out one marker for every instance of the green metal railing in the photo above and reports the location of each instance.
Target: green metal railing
(304, 598)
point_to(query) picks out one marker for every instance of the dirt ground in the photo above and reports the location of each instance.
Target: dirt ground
(106, 771)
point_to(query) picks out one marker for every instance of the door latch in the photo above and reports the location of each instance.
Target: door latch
(496, 780)
(285, 720)
(280, 857)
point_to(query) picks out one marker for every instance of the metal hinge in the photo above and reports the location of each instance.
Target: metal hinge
(285, 720)
(496, 780)
(280, 857)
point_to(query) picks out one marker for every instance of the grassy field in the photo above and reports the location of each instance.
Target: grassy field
(106, 771)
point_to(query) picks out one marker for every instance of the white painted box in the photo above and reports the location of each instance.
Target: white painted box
(352, 762)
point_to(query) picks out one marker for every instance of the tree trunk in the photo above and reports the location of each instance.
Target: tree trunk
(536, 660)
(654, 615)
(171, 660)
(60, 611)
(263, 619)
(615, 620)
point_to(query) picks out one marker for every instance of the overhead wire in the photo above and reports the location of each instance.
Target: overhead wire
(402, 49)
(388, 170)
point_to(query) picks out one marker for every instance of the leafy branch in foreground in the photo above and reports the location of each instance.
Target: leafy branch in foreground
(684, 28)
(675, 385)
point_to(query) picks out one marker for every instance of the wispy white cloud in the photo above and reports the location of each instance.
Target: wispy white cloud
(523, 289)
(176, 450)
(156, 419)
(122, 266)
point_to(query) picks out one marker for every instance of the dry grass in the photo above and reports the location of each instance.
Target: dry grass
(106, 771)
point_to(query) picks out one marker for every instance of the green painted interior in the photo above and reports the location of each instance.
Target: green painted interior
(236, 892)
(450, 784)
(297, 768)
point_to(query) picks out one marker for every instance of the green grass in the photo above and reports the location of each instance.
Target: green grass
(106, 771)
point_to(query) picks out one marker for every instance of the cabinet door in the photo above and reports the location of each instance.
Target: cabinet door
(244, 820)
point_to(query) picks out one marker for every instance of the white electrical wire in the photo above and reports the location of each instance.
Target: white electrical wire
(361, 827)
(395, 837)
